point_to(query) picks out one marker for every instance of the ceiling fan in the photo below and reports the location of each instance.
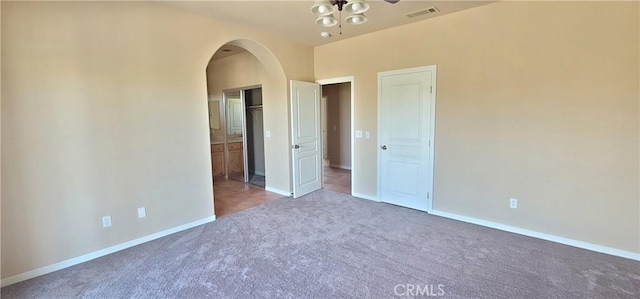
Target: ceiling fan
(342, 3)
(324, 9)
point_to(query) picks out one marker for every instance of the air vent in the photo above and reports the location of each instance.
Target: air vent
(423, 12)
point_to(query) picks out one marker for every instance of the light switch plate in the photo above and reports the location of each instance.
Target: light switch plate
(142, 212)
(358, 134)
(367, 135)
(267, 134)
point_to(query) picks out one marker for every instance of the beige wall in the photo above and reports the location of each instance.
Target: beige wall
(105, 110)
(537, 101)
(338, 124)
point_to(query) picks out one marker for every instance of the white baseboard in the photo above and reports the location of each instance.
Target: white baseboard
(364, 196)
(340, 166)
(543, 236)
(96, 254)
(259, 172)
(274, 190)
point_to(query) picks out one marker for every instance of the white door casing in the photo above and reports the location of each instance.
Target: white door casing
(323, 126)
(351, 80)
(306, 137)
(406, 119)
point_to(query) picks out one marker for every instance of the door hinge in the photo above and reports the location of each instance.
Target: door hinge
(428, 195)
(431, 89)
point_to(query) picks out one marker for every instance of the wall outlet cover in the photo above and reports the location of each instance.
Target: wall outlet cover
(106, 221)
(513, 203)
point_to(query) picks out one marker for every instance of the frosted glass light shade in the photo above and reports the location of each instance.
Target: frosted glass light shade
(326, 21)
(322, 8)
(356, 7)
(356, 19)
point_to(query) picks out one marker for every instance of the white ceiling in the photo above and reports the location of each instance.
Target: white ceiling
(294, 20)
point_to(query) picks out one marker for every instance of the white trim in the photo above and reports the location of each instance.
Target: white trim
(346, 167)
(364, 196)
(258, 172)
(539, 235)
(100, 253)
(352, 80)
(432, 131)
(278, 191)
(337, 80)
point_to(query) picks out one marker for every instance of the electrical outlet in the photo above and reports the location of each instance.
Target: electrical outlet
(513, 203)
(142, 212)
(106, 221)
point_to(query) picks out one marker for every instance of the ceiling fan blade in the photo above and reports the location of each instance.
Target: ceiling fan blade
(392, 1)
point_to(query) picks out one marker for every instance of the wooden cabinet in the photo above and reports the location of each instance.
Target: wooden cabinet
(236, 159)
(217, 159)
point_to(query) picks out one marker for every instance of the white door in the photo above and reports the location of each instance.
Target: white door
(406, 124)
(235, 115)
(306, 137)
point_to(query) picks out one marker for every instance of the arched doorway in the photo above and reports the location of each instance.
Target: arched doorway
(244, 74)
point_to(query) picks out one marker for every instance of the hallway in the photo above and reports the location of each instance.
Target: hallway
(337, 179)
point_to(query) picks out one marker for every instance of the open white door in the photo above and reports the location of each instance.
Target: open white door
(306, 137)
(406, 113)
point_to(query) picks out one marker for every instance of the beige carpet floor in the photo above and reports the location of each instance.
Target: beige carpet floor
(331, 245)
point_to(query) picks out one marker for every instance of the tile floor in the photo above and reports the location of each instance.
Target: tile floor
(231, 196)
(336, 179)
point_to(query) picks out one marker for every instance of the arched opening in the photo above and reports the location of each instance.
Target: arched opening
(247, 97)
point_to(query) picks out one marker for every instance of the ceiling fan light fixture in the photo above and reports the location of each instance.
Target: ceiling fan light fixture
(322, 8)
(356, 6)
(356, 19)
(326, 21)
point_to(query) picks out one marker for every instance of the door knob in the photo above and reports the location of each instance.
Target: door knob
(384, 147)
(296, 146)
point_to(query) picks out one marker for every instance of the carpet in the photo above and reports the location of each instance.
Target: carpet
(331, 245)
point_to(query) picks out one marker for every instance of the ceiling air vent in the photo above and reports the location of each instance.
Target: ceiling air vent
(423, 12)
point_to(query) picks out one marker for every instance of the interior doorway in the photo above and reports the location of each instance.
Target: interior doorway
(245, 135)
(237, 66)
(337, 134)
(254, 132)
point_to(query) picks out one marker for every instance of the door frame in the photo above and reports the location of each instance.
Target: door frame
(432, 68)
(244, 129)
(346, 79)
(323, 124)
